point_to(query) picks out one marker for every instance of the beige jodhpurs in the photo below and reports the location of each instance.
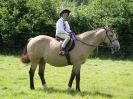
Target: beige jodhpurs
(64, 36)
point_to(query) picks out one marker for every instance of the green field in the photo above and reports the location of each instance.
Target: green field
(100, 79)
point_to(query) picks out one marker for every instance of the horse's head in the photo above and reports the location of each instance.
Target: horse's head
(111, 39)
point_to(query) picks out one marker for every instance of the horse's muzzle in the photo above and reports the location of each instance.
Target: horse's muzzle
(115, 47)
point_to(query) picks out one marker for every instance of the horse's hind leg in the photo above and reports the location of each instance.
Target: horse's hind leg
(31, 74)
(41, 72)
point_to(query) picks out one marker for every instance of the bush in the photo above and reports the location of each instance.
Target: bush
(116, 14)
(22, 19)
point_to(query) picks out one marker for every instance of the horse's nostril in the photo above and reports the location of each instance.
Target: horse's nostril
(116, 48)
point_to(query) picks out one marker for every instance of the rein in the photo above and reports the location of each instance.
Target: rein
(103, 40)
(91, 44)
(85, 43)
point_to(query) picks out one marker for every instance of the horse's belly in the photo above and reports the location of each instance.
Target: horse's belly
(56, 60)
(56, 63)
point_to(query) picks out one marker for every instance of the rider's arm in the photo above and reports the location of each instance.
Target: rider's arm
(68, 27)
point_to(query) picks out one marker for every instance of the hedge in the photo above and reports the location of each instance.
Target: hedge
(22, 19)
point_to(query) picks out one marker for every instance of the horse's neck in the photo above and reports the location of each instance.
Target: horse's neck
(92, 38)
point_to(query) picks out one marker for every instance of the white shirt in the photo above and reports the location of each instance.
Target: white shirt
(60, 28)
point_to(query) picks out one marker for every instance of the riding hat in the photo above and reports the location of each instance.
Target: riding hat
(64, 11)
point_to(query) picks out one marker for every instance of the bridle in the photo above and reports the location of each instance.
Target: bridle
(111, 41)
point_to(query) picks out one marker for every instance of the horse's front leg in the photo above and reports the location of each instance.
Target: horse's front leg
(75, 72)
(71, 78)
(78, 81)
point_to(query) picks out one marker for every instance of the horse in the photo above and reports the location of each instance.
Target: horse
(44, 49)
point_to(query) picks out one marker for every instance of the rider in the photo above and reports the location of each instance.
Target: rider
(63, 29)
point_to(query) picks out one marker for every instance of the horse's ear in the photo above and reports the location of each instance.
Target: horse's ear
(106, 26)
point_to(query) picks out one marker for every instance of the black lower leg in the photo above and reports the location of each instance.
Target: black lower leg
(71, 79)
(41, 74)
(31, 75)
(78, 81)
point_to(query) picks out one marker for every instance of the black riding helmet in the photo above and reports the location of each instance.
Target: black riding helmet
(64, 11)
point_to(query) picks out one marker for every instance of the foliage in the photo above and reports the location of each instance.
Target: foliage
(117, 14)
(22, 19)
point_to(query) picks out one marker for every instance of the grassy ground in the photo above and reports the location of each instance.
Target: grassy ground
(100, 79)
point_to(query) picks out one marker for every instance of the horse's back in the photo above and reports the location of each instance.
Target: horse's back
(41, 39)
(38, 45)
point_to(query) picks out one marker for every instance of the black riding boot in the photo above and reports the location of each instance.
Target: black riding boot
(62, 52)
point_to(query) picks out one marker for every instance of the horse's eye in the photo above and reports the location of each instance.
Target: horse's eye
(111, 36)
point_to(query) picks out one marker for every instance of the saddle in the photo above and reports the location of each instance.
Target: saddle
(70, 45)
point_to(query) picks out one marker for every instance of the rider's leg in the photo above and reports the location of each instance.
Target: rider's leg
(65, 41)
(63, 51)
(67, 38)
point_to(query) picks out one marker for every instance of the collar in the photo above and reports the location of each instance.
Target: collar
(63, 19)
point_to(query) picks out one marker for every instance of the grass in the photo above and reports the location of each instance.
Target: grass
(100, 79)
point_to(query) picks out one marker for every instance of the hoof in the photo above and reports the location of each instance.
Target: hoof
(69, 88)
(44, 86)
(78, 90)
(32, 88)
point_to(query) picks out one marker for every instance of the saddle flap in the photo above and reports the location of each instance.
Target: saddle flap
(70, 45)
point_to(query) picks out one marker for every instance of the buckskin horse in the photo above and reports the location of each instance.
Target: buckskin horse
(43, 49)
